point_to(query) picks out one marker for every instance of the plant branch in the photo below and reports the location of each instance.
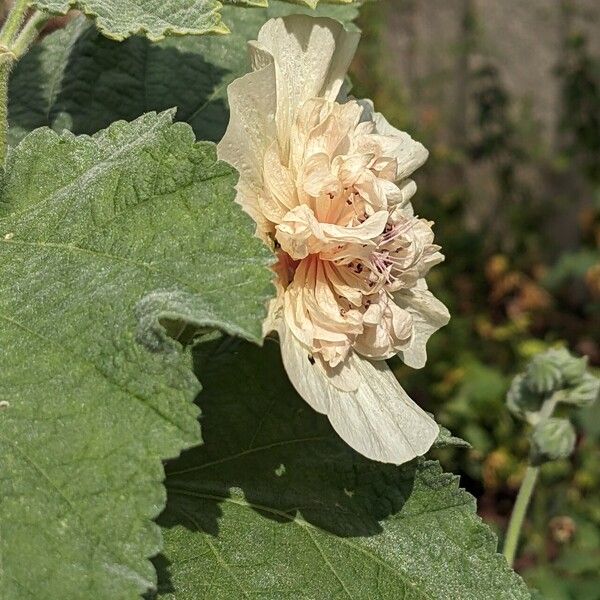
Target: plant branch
(29, 33)
(13, 22)
(518, 514)
(15, 39)
(517, 517)
(6, 60)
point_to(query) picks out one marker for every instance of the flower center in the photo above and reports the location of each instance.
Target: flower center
(344, 242)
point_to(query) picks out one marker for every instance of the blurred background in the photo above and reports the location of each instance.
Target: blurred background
(506, 96)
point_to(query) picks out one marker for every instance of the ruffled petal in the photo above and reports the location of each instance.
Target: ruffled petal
(300, 233)
(429, 315)
(377, 418)
(391, 143)
(388, 330)
(363, 233)
(311, 57)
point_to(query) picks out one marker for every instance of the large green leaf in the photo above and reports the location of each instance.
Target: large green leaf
(100, 239)
(310, 3)
(78, 80)
(275, 506)
(119, 19)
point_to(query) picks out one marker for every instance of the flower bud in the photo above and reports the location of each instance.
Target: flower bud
(552, 439)
(521, 400)
(555, 375)
(583, 394)
(544, 373)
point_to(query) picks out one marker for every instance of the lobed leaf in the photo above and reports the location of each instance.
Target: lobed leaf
(90, 228)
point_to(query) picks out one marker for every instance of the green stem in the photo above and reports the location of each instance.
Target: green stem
(15, 39)
(13, 22)
(6, 61)
(518, 515)
(29, 33)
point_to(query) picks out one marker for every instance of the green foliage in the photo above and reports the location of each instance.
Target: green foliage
(310, 3)
(120, 19)
(571, 266)
(78, 80)
(574, 575)
(101, 238)
(516, 284)
(445, 439)
(275, 505)
(580, 88)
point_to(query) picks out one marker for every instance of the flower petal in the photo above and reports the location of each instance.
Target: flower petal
(429, 314)
(304, 372)
(311, 56)
(377, 419)
(300, 233)
(358, 234)
(252, 100)
(409, 153)
(388, 329)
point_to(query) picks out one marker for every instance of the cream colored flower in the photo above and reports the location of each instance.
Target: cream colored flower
(326, 180)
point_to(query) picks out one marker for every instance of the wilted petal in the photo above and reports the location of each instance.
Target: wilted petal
(428, 313)
(377, 419)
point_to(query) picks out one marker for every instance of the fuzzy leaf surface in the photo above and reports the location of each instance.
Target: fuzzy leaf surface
(119, 19)
(78, 80)
(156, 19)
(101, 239)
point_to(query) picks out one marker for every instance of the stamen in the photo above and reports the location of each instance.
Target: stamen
(396, 230)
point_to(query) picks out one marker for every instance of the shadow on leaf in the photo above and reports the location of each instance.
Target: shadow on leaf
(76, 79)
(265, 448)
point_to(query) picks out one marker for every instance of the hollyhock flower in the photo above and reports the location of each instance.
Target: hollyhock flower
(326, 180)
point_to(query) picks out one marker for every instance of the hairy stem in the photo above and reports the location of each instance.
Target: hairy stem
(13, 22)
(15, 39)
(29, 33)
(6, 60)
